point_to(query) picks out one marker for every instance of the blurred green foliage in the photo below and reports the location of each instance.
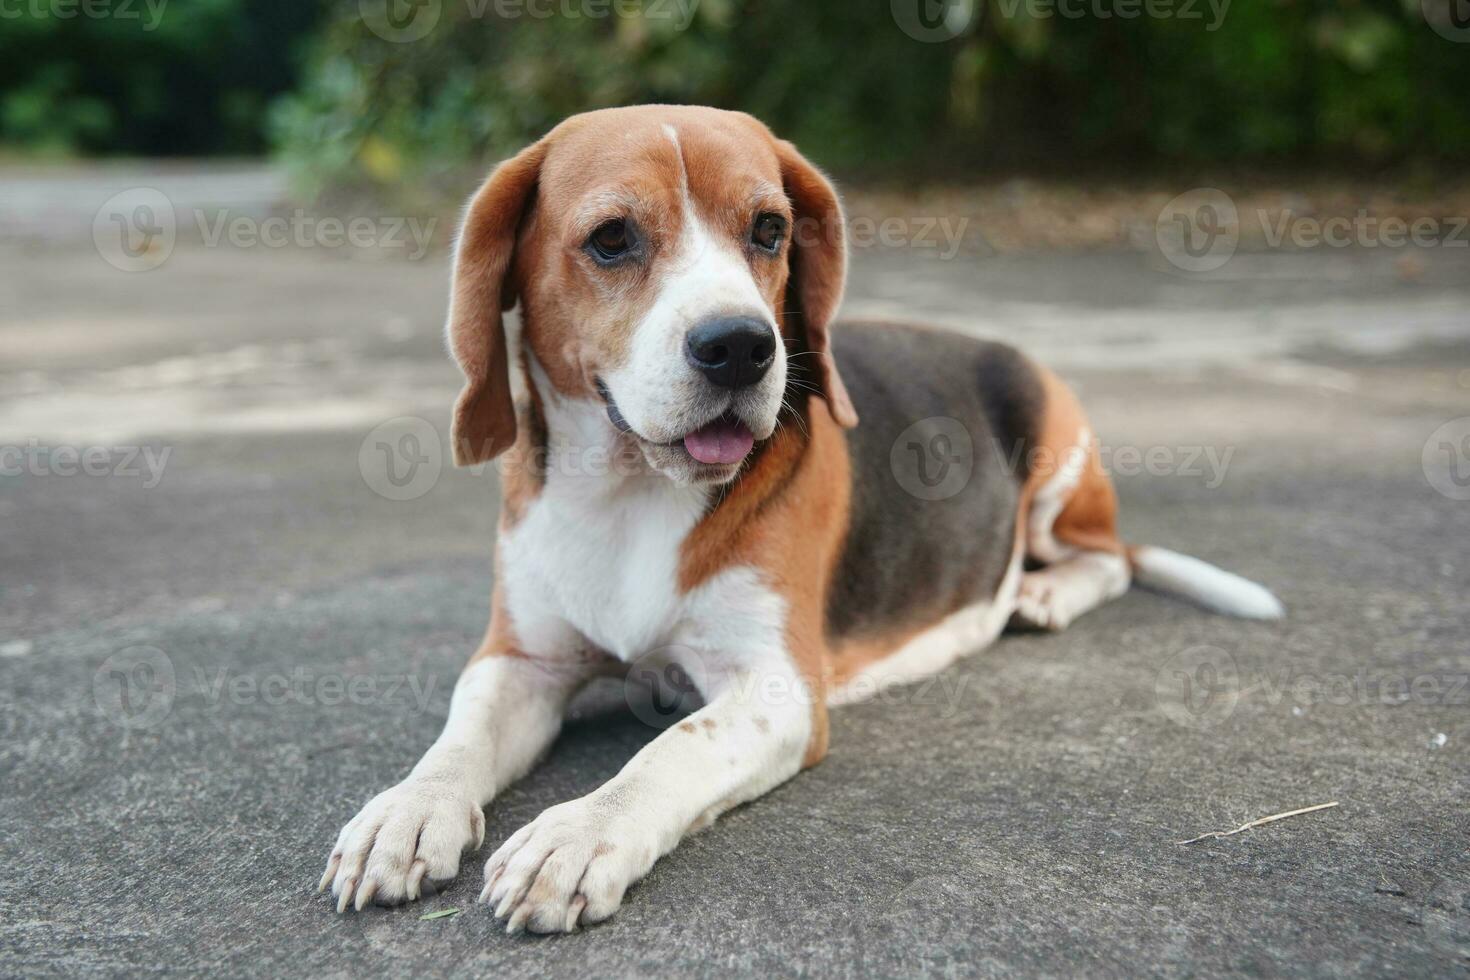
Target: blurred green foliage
(1340, 83)
(146, 77)
(1347, 83)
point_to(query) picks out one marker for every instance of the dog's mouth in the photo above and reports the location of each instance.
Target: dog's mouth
(722, 441)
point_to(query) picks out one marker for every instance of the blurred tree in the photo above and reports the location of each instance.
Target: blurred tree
(409, 92)
(155, 77)
(1021, 83)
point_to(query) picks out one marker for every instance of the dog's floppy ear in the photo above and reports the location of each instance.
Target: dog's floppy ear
(818, 270)
(484, 415)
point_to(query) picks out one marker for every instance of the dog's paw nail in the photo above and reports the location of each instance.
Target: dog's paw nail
(332, 864)
(346, 896)
(416, 879)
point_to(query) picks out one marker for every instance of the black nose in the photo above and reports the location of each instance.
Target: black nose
(732, 351)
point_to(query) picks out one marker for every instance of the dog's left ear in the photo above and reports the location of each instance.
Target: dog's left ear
(818, 270)
(484, 416)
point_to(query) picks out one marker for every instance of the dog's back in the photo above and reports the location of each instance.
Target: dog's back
(937, 469)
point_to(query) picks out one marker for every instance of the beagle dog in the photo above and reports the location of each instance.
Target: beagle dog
(686, 482)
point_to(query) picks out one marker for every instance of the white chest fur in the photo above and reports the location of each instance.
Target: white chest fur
(594, 560)
(599, 556)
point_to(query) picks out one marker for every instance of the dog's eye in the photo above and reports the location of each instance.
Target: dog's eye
(611, 241)
(768, 231)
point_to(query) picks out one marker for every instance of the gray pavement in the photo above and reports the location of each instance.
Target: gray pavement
(206, 666)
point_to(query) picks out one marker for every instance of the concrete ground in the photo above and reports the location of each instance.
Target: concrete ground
(210, 659)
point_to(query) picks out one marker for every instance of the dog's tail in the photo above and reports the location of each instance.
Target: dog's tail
(1211, 587)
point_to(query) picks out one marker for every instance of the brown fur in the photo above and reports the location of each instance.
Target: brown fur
(484, 416)
(523, 469)
(854, 656)
(786, 516)
(521, 242)
(787, 513)
(820, 271)
(1089, 519)
(516, 245)
(500, 639)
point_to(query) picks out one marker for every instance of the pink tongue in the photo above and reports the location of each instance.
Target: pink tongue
(722, 441)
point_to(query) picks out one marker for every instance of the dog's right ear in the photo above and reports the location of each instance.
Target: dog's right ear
(484, 415)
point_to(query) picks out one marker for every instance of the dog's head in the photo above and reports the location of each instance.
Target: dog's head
(674, 265)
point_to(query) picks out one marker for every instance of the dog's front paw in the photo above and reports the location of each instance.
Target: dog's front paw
(415, 830)
(568, 867)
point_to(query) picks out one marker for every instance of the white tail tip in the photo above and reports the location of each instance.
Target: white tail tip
(1214, 588)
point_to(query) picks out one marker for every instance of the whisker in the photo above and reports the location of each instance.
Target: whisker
(796, 415)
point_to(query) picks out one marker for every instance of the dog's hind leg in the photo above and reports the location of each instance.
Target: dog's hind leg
(1069, 521)
(1052, 597)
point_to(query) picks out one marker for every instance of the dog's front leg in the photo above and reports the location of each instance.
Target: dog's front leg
(505, 711)
(572, 864)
